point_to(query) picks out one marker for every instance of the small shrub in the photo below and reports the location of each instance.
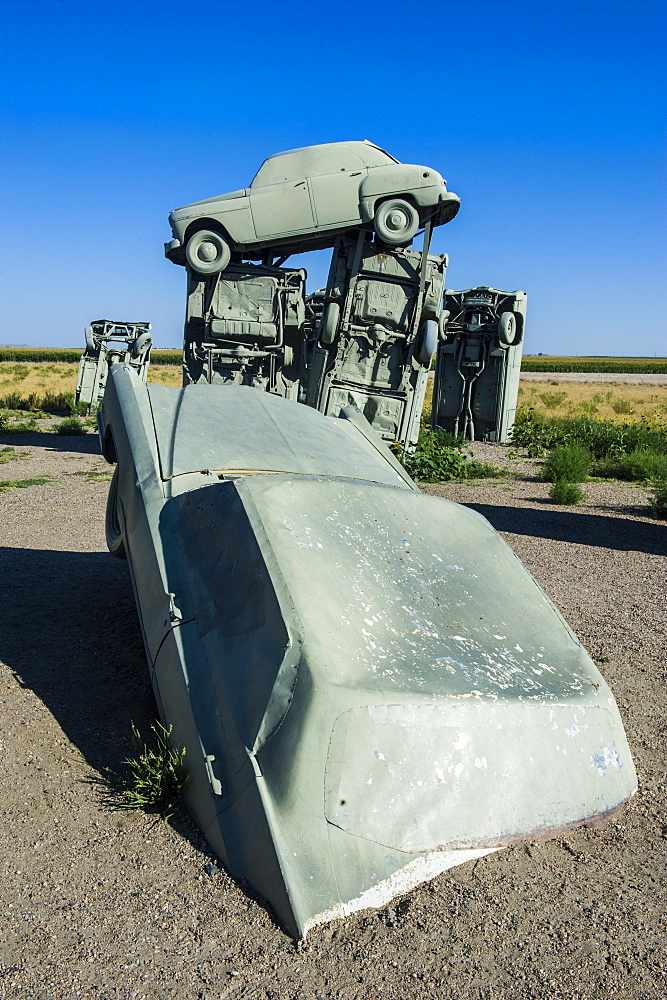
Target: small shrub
(552, 399)
(439, 457)
(70, 425)
(566, 493)
(157, 777)
(621, 406)
(587, 408)
(658, 504)
(568, 463)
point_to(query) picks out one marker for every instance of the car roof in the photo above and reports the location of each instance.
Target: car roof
(326, 158)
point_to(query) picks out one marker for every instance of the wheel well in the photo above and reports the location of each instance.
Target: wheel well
(199, 224)
(108, 448)
(390, 197)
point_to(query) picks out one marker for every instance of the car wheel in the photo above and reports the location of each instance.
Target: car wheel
(427, 343)
(507, 329)
(396, 221)
(208, 252)
(330, 323)
(112, 530)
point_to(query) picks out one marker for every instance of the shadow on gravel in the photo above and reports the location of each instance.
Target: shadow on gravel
(69, 631)
(83, 444)
(581, 528)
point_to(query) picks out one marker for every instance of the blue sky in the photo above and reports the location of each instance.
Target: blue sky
(547, 120)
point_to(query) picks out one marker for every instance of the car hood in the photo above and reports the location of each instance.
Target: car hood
(188, 209)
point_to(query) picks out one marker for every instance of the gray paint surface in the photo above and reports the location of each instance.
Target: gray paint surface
(372, 350)
(107, 343)
(370, 686)
(304, 198)
(479, 363)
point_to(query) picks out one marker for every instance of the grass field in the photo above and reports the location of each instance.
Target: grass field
(609, 401)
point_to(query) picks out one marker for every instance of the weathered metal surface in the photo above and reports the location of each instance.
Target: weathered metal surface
(245, 327)
(377, 334)
(304, 199)
(479, 363)
(370, 686)
(107, 343)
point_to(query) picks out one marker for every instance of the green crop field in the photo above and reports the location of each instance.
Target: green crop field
(611, 366)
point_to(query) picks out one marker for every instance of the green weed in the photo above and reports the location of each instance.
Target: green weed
(71, 426)
(639, 465)
(621, 406)
(440, 457)
(568, 463)
(9, 424)
(658, 504)
(156, 776)
(20, 484)
(566, 493)
(539, 433)
(8, 454)
(552, 399)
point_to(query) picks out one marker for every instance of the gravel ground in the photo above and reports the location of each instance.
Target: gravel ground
(100, 903)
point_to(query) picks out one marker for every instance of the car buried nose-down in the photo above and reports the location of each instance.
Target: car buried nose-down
(369, 685)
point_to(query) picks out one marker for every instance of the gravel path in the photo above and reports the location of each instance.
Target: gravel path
(100, 903)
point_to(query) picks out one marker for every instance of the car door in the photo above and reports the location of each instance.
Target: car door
(336, 194)
(280, 209)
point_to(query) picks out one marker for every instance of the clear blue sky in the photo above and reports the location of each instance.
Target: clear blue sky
(547, 120)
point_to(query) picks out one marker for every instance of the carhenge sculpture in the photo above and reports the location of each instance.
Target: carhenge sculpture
(370, 686)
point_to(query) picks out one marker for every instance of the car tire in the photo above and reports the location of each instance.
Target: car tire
(208, 252)
(396, 221)
(141, 345)
(330, 323)
(507, 329)
(114, 536)
(427, 343)
(90, 341)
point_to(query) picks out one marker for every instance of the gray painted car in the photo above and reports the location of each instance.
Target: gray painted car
(370, 686)
(303, 199)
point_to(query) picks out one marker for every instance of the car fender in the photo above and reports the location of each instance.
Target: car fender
(383, 182)
(232, 216)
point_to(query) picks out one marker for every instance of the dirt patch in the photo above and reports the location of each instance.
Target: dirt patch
(103, 904)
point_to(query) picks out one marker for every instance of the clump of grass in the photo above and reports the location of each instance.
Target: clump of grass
(586, 407)
(10, 425)
(21, 484)
(552, 399)
(439, 457)
(566, 493)
(569, 464)
(621, 406)
(156, 776)
(658, 504)
(70, 425)
(8, 454)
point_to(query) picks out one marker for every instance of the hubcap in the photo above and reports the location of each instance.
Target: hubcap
(396, 220)
(207, 251)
